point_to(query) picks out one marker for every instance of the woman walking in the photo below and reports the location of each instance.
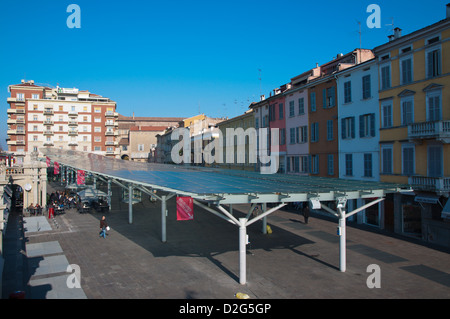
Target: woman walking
(103, 227)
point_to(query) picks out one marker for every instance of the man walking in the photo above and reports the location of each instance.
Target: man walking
(103, 226)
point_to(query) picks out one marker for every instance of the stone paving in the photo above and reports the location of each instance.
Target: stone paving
(200, 259)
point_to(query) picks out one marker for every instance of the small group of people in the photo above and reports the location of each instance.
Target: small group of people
(63, 199)
(34, 209)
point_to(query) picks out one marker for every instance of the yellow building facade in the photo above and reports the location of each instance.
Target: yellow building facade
(239, 161)
(414, 99)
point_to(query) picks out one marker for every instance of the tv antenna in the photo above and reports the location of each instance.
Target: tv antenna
(260, 90)
(391, 24)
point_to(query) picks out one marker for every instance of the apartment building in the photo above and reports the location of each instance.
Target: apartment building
(242, 144)
(358, 133)
(414, 123)
(41, 116)
(323, 113)
(297, 128)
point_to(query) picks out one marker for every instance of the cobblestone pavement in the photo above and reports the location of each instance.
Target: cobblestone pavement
(200, 259)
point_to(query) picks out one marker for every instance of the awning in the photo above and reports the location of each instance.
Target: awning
(428, 199)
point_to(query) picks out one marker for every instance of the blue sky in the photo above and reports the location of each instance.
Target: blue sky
(174, 58)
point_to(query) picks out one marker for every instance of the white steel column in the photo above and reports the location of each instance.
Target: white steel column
(109, 194)
(242, 251)
(130, 204)
(342, 242)
(264, 220)
(163, 218)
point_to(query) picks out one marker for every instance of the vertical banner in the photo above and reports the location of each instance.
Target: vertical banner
(80, 177)
(56, 168)
(185, 208)
(48, 161)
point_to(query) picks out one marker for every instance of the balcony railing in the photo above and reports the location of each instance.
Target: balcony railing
(438, 130)
(48, 112)
(439, 184)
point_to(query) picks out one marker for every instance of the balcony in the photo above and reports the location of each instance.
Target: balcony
(48, 112)
(73, 123)
(73, 143)
(73, 113)
(20, 142)
(109, 133)
(20, 111)
(111, 114)
(439, 130)
(47, 122)
(73, 133)
(11, 121)
(48, 132)
(11, 111)
(48, 143)
(434, 184)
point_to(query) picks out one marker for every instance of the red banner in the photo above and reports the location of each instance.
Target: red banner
(80, 177)
(56, 168)
(48, 161)
(185, 208)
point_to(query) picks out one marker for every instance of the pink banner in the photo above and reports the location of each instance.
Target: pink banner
(185, 208)
(80, 177)
(56, 168)
(48, 161)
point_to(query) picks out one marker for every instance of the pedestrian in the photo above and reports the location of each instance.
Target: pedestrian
(103, 227)
(306, 213)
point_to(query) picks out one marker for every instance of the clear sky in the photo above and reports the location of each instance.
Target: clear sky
(179, 57)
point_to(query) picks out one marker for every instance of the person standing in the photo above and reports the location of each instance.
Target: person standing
(306, 213)
(103, 226)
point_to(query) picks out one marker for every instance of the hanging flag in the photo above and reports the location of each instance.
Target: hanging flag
(48, 162)
(80, 177)
(185, 208)
(56, 168)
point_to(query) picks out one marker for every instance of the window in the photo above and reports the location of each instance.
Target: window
(97, 109)
(61, 108)
(407, 159)
(85, 139)
(84, 108)
(35, 117)
(291, 109)
(281, 111)
(313, 101)
(347, 92)
(406, 70)
(97, 129)
(314, 164)
(386, 110)
(272, 112)
(315, 132)
(348, 127)
(349, 164)
(20, 97)
(407, 111)
(35, 128)
(367, 125)
(328, 97)
(85, 118)
(433, 62)
(304, 164)
(330, 164)
(35, 96)
(296, 164)
(282, 136)
(301, 106)
(435, 161)
(330, 130)
(97, 148)
(368, 165)
(140, 147)
(385, 77)
(366, 87)
(35, 107)
(302, 134)
(35, 138)
(386, 159)
(434, 106)
(97, 139)
(97, 119)
(292, 135)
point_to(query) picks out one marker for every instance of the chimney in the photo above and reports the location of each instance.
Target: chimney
(263, 97)
(391, 37)
(448, 11)
(397, 33)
